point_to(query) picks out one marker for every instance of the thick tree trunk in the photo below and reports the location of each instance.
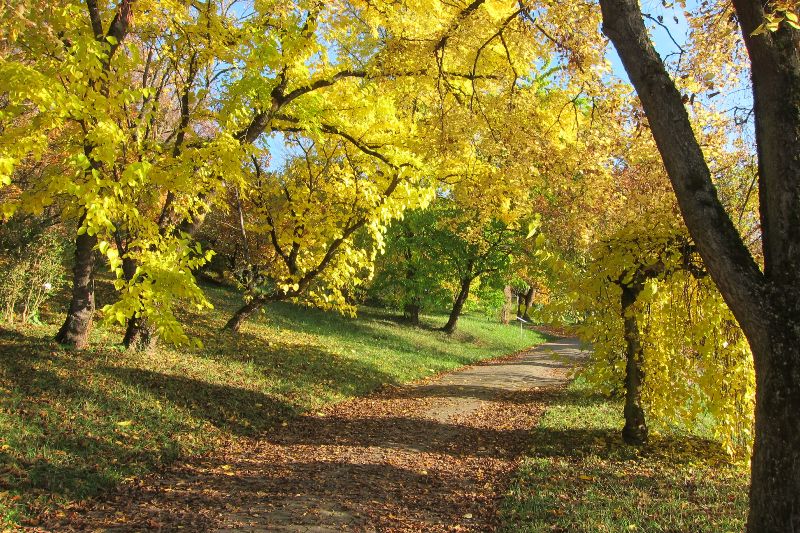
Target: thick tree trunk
(411, 313)
(775, 465)
(77, 325)
(635, 430)
(767, 306)
(243, 313)
(775, 479)
(458, 306)
(139, 335)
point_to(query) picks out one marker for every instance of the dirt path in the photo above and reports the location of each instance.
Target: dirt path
(429, 457)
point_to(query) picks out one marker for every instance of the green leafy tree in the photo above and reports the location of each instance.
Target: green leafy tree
(410, 274)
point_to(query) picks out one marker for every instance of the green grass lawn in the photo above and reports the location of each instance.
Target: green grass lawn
(580, 477)
(72, 424)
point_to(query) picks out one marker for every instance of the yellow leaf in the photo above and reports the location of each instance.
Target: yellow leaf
(125, 423)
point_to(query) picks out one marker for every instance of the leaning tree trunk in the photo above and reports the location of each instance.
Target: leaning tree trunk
(243, 313)
(458, 306)
(635, 430)
(76, 327)
(766, 305)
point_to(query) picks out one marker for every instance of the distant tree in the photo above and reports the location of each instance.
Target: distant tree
(410, 275)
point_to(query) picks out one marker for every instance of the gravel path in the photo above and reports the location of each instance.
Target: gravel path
(434, 456)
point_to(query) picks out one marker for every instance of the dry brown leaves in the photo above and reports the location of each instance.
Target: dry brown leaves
(380, 463)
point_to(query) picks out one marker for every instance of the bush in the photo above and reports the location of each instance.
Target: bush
(32, 272)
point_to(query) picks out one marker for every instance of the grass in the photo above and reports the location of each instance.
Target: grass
(580, 477)
(73, 424)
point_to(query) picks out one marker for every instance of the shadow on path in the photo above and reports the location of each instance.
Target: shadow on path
(430, 457)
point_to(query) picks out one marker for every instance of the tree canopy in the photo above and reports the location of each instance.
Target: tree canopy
(437, 144)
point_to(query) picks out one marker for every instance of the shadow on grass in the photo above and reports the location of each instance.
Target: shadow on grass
(241, 412)
(578, 479)
(55, 447)
(73, 426)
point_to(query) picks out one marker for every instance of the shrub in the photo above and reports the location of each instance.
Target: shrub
(34, 270)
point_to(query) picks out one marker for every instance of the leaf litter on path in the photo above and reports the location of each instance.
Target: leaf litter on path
(385, 462)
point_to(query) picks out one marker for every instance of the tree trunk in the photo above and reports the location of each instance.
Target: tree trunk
(508, 296)
(411, 313)
(243, 313)
(635, 430)
(458, 306)
(139, 335)
(77, 325)
(529, 296)
(767, 306)
(775, 466)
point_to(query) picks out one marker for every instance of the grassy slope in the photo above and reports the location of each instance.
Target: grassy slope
(580, 477)
(72, 424)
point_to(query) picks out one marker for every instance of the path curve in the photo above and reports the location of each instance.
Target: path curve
(433, 456)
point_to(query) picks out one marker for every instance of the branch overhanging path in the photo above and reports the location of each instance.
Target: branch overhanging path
(424, 457)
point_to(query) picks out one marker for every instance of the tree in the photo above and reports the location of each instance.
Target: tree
(765, 303)
(98, 87)
(410, 275)
(476, 252)
(311, 212)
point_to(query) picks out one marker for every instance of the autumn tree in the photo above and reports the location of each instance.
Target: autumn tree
(310, 213)
(80, 43)
(765, 302)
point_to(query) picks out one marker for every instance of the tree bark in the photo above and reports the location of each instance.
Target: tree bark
(767, 306)
(508, 296)
(529, 296)
(243, 313)
(411, 313)
(635, 430)
(139, 335)
(78, 323)
(775, 465)
(458, 306)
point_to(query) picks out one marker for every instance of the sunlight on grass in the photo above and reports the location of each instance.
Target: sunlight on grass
(73, 424)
